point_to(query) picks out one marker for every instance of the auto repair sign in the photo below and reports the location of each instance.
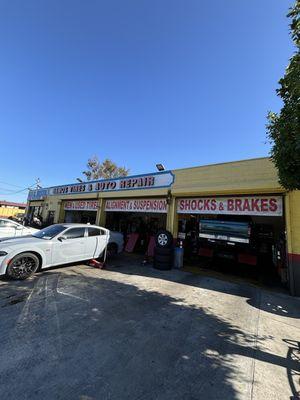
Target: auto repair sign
(156, 180)
(138, 205)
(81, 205)
(250, 205)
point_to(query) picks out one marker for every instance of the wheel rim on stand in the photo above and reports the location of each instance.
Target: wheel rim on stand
(162, 239)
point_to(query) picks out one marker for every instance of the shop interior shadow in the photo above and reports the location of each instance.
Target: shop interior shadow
(264, 273)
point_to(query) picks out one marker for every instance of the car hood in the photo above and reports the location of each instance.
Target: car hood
(12, 241)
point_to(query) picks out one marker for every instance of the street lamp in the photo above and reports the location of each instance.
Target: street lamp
(160, 167)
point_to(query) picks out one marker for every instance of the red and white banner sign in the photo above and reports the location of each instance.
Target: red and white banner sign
(138, 205)
(254, 205)
(81, 205)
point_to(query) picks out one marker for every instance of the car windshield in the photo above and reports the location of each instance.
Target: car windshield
(49, 232)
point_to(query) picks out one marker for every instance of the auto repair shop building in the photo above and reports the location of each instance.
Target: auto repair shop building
(177, 200)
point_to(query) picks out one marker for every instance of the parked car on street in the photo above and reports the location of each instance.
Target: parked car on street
(55, 245)
(19, 217)
(9, 228)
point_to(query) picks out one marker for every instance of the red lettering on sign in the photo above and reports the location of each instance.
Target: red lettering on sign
(213, 204)
(238, 205)
(246, 206)
(206, 205)
(254, 205)
(200, 205)
(194, 205)
(273, 205)
(187, 204)
(264, 204)
(242, 205)
(230, 205)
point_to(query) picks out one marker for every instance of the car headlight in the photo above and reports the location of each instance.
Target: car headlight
(3, 253)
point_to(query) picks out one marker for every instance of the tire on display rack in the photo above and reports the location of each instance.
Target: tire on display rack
(163, 239)
(163, 251)
(163, 259)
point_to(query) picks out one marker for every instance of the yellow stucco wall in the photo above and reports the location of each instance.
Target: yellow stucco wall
(292, 206)
(249, 176)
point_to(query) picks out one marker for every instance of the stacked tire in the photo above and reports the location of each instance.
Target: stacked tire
(163, 251)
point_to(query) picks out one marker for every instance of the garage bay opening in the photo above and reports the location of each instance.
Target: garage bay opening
(138, 220)
(241, 235)
(81, 211)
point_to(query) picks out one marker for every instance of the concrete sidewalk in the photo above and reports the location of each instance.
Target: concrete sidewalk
(131, 332)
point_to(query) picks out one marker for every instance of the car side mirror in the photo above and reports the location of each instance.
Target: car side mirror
(62, 238)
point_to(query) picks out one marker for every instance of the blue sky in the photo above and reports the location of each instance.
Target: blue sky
(138, 81)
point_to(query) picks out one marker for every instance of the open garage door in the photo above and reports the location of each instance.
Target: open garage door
(137, 219)
(81, 211)
(246, 231)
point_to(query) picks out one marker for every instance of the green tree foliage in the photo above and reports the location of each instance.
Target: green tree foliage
(106, 169)
(284, 127)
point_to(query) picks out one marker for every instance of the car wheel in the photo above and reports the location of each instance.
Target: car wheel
(22, 266)
(163, 239)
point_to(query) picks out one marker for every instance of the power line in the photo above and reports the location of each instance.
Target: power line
(7, 190)
(10, 184)
(18, 191)
(37, 185)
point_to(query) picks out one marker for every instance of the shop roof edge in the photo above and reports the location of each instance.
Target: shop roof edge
(222, 163)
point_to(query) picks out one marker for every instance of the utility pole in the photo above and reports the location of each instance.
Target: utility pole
(38, 183)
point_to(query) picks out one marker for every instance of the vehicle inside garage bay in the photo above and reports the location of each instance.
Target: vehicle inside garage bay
(138, 219)
(251, 242)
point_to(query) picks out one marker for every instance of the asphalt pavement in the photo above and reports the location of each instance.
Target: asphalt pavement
(132, 332)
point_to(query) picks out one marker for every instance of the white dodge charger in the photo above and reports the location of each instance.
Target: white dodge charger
(57, 244)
